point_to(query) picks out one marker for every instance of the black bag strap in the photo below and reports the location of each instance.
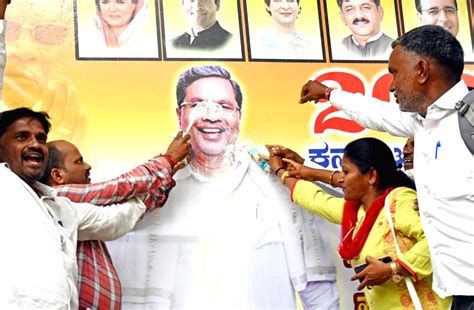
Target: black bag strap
(465, 108)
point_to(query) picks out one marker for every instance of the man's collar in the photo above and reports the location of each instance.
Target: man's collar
(41, 189)
(194, 34)
(239, 164)
(447, 101)
(44, 190)
(373, 38)
(454, 94)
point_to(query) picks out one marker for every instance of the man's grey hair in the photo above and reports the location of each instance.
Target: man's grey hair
(195, 73)
(442, 47)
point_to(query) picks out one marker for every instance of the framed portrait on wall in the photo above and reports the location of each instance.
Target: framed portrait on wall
(209, 30)
(361, 30)
(116, 29)
(288, 30)
(453, 15)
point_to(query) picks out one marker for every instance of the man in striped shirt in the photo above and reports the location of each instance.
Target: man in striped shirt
(99, 285)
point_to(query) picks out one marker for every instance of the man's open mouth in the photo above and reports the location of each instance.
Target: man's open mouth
(211, 130)
(33, 158)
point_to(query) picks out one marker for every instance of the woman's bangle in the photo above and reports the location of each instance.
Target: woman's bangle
(331, 177)
(279, 168)
(283, 177)
(327, 92)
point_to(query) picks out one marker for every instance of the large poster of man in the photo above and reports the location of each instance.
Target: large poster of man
(236, 241)
(40, 55)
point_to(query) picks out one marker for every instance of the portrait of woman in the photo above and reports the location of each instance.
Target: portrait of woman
(279, 38)
(119, 29)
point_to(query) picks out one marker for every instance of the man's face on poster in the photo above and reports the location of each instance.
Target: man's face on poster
(202, 14)
(443, 13)
(217, 123)
(363, 17)
(35, 36)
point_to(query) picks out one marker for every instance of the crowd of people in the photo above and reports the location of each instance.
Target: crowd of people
(242, 240)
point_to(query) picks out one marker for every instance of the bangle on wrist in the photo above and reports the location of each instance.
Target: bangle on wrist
(396, 277)
(331, 177)
(283, 177)
(278, 169)
(327, 92)
(170, 160)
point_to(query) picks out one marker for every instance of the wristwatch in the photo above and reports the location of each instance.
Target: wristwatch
(396, 276)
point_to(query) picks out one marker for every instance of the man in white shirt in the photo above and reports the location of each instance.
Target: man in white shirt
(427, 84)
(39, 230)
(228, 237)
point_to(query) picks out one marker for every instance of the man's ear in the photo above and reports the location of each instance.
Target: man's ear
(381, 12)
(178, 115)
(341, 16)
(418, 14)
(57, 177)
(423, 70)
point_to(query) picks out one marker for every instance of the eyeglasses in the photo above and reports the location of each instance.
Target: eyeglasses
(218, 107)
(44, 33)
(448, 10)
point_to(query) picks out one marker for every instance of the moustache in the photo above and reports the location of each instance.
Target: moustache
(34, 152)
(357, 20)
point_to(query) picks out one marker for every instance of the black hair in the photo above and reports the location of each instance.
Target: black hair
(55, 160)
(437, 43)
(216, 2)
(339, 2)
(419, 8)
(267, 3)
(9, 117)
(372, 153)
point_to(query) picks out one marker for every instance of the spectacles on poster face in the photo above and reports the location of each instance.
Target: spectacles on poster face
(206, 105)
(448, 10)
(44, 33)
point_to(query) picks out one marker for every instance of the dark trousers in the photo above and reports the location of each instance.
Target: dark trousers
(463, 303)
